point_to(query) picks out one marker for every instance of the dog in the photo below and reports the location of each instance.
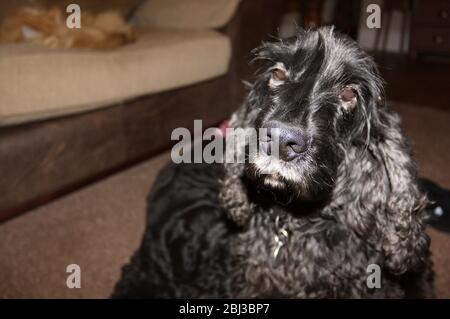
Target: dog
(47, 27)
(341, 199)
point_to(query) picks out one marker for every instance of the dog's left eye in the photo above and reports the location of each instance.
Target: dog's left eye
(348, 94)
(348, 97)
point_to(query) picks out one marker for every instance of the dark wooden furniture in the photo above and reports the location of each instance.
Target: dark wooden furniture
(387, 10)
(431, 27)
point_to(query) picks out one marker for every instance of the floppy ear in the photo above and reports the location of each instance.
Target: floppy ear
(384, 204)
(233, 193)
(405, 243)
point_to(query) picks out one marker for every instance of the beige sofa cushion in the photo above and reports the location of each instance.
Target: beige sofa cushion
(37, 83)
(186, 13)
(125, 7)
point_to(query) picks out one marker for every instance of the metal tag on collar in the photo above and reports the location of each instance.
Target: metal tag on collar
(280, 238)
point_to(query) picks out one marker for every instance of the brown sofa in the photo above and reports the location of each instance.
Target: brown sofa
(48, 152)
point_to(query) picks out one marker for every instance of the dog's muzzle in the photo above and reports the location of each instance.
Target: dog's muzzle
(290, 141)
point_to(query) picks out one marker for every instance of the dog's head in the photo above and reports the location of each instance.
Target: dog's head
(321, 98)
(314, 94)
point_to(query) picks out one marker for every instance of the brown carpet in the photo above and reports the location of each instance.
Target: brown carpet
(100, 226)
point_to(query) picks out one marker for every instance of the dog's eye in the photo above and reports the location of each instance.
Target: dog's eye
(279, 75)
(348, 98)
(348, 94)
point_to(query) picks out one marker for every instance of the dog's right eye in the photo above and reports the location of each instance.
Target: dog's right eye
(279, 75)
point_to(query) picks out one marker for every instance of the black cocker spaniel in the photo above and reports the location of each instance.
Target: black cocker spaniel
(341, 196)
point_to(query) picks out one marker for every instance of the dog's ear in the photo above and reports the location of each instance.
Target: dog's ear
(405, 243)
(233, 194)
(384, 204)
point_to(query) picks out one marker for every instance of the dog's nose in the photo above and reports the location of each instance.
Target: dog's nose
(291, 142)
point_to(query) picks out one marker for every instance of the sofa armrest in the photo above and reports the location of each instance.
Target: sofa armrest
(185, 14)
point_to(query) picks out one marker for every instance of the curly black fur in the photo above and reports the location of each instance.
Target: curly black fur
(311, 228)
